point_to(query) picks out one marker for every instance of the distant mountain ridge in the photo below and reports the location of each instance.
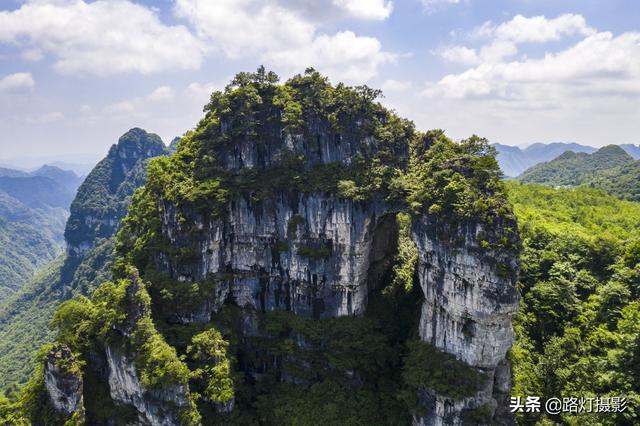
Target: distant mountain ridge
(611, 169)
(65, 178)
(29, 239)
(48, 186)
(514, 160)
(571, 168)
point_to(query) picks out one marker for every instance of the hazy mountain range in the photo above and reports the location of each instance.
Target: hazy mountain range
(514, 160)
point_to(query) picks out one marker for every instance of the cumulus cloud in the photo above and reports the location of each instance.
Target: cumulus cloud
(460, 54)
(539, 29)
(101, 37)
(282, 37)
(599, 65)
(18, 82)
(366, 9)
(109, 37)
(162, 93)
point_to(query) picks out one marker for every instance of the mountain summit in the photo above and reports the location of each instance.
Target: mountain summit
(304, 248)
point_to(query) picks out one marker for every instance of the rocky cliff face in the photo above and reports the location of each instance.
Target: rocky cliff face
(470, 297)
(277, 222)
(63, 382)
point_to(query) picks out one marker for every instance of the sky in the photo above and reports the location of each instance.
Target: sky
(77, 74)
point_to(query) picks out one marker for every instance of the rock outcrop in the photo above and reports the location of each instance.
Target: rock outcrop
(285, 200)
(154, 407)
(63, 382)
(470, 298)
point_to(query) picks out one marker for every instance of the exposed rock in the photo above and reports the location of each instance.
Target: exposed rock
(468, 304)
(467, 309)
(156, 407)
(63, 382)
(268, 277)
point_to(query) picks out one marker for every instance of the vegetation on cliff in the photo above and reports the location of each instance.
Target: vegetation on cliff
(24, 316)
(292, 368)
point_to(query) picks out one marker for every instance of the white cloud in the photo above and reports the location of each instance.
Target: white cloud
(396, 86)
(18, 82)
(366, 9)
(498, 50)
(101, 37)
(199, 93)
(32, 55)
(162, 93)
(460, 54)
(540, 29)
(584, 89)
(598, 66)
(283, 37)
(344, 55)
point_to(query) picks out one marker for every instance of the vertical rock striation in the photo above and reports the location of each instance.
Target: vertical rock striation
(284, 198)
(470, 297)
(63, 382)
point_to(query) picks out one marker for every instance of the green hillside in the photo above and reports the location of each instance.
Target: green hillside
(101, 200)
(29, 239)
(570, 168)
(622, 181)
(578, 327)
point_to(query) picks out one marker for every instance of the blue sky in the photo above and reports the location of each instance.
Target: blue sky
(76, 74)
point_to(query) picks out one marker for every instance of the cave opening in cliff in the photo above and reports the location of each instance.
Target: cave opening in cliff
(384, 247)
(394, 294)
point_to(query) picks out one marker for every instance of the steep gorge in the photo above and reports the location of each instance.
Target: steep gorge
(305, 252)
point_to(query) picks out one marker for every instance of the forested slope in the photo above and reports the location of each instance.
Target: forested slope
(96, 211)
(570, 168)
(578, 327)
(29, 239)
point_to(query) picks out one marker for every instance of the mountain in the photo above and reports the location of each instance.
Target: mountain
(5, 172)
(37, 191)
(99, 204)
(622, 181)
(173, 146)
(80, 169)
(64, 178)
(632, 150)
(103, 197)
(29, 238)
(570, 168)
(305, 256)
(514, 160)
(33, 211)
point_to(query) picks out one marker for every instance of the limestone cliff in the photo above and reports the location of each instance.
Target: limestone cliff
(303, 250)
